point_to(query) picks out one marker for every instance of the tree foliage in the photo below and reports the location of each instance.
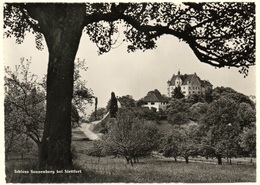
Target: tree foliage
(180, 143)
(82, 95)
(224, 125)
(98, 115)
(113, 107)
(177, 93)
(127, 101)
(248, 140)
(177, 111)
(223, 122)
(197, 111)
(25, 106)
(97, 149)
(195, 98)
(220, 34)
(132, 137)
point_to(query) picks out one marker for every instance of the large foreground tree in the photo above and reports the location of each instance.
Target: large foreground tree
(220, 34)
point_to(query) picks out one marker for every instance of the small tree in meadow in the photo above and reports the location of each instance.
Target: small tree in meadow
(180, 142)
(97, 149)
(132, 137)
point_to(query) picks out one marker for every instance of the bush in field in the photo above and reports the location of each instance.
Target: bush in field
(132, 137)
(180, 143)
(97, 149)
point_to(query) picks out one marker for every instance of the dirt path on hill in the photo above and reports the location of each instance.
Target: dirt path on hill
(87, 129)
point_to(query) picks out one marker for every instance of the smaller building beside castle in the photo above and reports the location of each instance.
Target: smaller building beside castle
(189, 83)
(154, 99)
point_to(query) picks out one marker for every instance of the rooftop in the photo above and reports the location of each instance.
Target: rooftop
(154, 96)
(188, 77)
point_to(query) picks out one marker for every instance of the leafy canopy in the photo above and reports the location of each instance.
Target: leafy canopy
(220, 34)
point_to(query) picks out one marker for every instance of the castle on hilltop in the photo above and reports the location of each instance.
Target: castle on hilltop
(189, 84)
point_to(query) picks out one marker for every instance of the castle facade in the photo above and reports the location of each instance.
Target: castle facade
(189, 83)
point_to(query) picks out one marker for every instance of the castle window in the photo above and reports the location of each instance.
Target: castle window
(152, 103)
(189, 87)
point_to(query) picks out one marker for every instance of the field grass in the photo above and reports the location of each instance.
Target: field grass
(27, 165)
(148, 170)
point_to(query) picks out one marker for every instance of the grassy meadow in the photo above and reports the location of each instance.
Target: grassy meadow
(148, 170)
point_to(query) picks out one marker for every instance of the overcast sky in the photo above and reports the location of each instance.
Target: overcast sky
(133, 73)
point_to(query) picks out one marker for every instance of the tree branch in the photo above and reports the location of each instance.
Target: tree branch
(35, 27)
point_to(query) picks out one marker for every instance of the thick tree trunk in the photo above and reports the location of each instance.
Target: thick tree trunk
(62, 26)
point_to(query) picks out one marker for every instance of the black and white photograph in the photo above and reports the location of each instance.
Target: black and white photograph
(129, 92)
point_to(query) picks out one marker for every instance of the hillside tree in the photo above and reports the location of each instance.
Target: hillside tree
(223, 122)
(97, 115)
(113, 107)
(220, 34)
(248, 140)
(127, 101)
(177, 93)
